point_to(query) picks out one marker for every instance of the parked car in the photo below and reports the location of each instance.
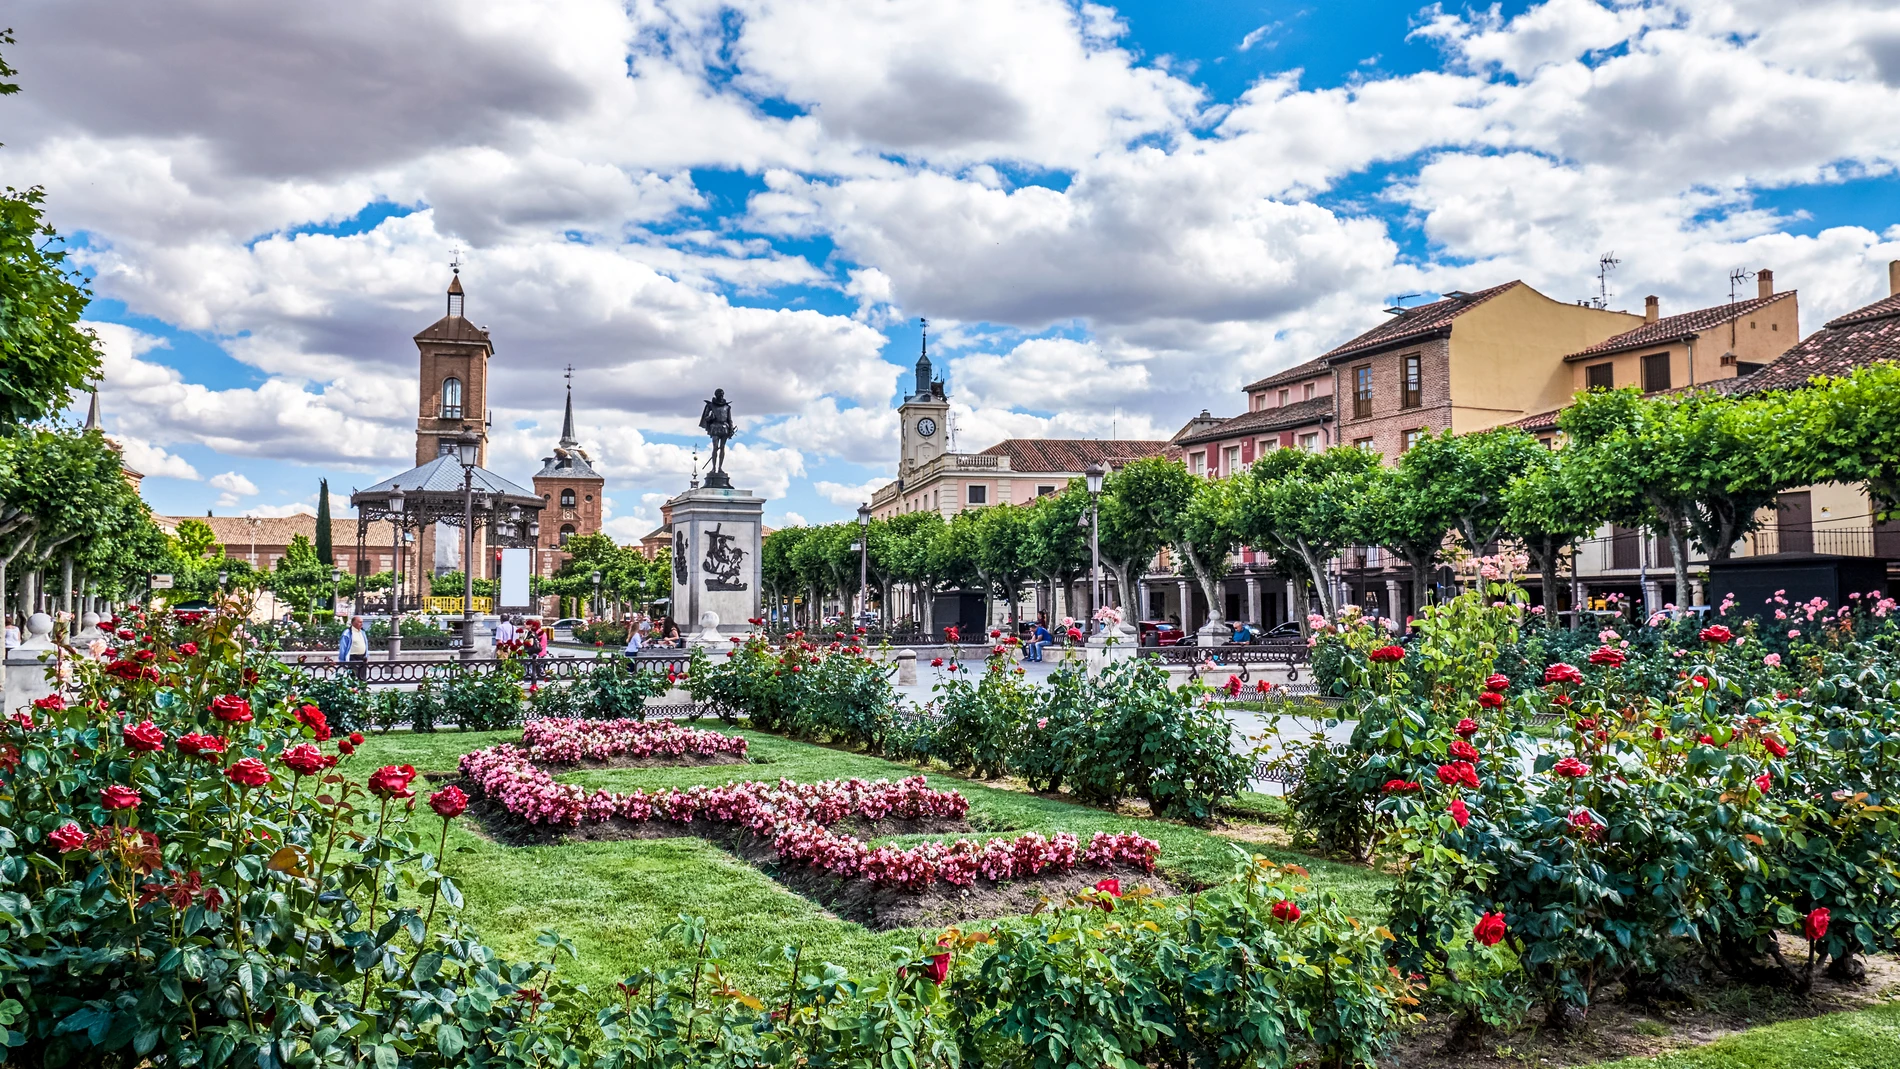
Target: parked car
(1285, 631)
(1159, 633)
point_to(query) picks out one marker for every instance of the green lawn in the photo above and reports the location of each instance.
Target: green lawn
(1864, 1039)
(613, 899)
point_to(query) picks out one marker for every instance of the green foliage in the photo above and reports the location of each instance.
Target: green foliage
(450, 585)
(44, 352)
(1141, 503)
(299, 577)
(346, 703)
(482, 701)
(977, 724)
(295, 921)
(613, 690)
(1301, 505)
(1331, 814)
(1843, 430)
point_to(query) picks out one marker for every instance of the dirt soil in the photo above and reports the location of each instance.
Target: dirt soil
(1622, 1029)
(859, 901)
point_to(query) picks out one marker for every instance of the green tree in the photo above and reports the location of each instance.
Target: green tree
(195, 540)
(1056, 537)
(1400, 511)
(324, 553)
(44, 352)
(299, 577)
(900, 552)
(1464, 477)
(1838, 430)
(1139, 504)
(1677, 465)
(1547, 511)
(1304, 507)
(1002, 560)
(778, 570)
(1205, 532)
(58, 489)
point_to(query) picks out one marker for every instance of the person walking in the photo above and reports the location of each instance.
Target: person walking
(352, 648)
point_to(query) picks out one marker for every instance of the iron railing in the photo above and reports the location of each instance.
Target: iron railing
(1234, 660)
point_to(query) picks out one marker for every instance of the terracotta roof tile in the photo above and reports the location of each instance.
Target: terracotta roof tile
(1415, 323)
(236, 533)
(454, 329)
(1864, 336)
(1285, 417)
(1072, 454)
(1677, 327)
(1312, 367)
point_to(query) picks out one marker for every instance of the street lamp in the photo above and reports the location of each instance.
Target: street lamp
(1093, 475)
(468, 555)
(336, 576)
(864, 560)
(597, 595)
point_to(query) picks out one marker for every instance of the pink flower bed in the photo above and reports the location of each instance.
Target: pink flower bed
(797, 818)
(567, 742)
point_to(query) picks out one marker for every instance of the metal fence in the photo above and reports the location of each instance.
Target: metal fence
(1238, 660)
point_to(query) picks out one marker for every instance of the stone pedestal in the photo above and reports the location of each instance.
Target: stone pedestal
(1117, 643)
(25, 674)
(716, 536)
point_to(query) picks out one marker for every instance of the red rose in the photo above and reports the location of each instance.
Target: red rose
(117, 797)
(1467, 727)
(1395, 786)
(356, 738)
(345, 747)
(312, 717)
(1459, 814)
(1498, 681)
(1232, 686)
(392, 781)
(231, 709)
(1562, 673)
(1656, 733)
(936, 662)
(52, 703)
(305, 759)
(1286, 910)
(1490, 699)
(1109, 886)
(1572, 768)
(1586, 723)
(1775, 746)
(1586, 824)
(939, 968)
(950, 634)
(1464, 751)
(248, 772)
(1490, 929)
(1262, 687)
(1816, 925)
(1764, 781)
(1387, 655)
(1458, 773)
(449, 803)
(1699, 682)
(145, 737)
(1715, 633)
(69, 837)
(1608, 657)
(188, 648)
(205, 746)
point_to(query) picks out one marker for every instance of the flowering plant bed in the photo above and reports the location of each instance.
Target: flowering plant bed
(626, 743)
(796, 826)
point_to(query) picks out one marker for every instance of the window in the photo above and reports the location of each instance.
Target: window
(1283, 395)
(445, 448)
(1045, 491)
(1197, 463)
(567, 532)
(1266, 445)
(979, 495)
(1412, 437)
(1599, 377)
(451, 398)
(1743, 367)
(1230, 459)
(567, 499)
(1548, 441)
(1363, 443)
(1362, 391)
(1309, 392)
(1414, 392)
(1655, 372)
(1310, 441)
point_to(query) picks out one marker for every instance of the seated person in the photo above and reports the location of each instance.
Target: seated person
(1039, 639)
(1243, 633)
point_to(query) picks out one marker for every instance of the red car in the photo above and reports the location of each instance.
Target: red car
(1159, 633)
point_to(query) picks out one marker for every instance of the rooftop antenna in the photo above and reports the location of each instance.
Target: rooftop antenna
(1606, 263)
(1398, 303)
(1736, 279)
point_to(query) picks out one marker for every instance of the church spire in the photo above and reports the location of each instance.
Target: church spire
(455, 286)
(568, 438)
(923, 359)
(92, 415)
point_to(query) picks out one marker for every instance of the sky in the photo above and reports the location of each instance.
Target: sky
(1112, 216)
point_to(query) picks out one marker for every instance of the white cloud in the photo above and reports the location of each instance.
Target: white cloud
(232, 482)
(847, 496)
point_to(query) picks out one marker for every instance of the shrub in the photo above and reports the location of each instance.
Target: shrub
(615, 691)
(978, 724)
(481, 701)
(610, 634)
(1331, 815)
(345, 701)
(184, 881)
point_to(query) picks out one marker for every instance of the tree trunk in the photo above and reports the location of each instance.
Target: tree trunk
(1547, 575)
(1210, 586)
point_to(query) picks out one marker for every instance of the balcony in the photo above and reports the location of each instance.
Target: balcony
(1882, 541)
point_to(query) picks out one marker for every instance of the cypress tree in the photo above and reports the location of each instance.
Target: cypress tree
(323, 523)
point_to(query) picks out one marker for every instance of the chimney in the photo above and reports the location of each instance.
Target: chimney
(1650, 309)
(1893, 278)
(1765, 279)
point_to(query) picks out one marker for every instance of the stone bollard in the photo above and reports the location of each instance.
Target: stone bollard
(907, 668)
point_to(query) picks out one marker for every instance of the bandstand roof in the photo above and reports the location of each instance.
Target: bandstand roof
(443, 475)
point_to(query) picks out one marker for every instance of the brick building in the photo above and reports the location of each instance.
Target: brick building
(572, 489)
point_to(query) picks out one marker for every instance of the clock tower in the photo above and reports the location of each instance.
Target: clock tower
(923, 418)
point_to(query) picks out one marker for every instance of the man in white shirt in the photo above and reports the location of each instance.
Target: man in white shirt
(353, 648)
(505, 630)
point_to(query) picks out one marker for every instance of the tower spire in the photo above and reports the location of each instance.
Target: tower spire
(923, 359)
(455, 284)
(92, 414)
(568, 438)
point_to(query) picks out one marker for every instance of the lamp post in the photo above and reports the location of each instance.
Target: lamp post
(596, 605)
(397, 536)
(864, 560)
(336, 577)
(468, 560)
(1094, 474)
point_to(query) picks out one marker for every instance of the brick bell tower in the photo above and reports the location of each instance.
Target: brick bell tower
(451, 418)
(572, 489)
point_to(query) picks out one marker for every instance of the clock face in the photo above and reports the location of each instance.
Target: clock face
(926, 426)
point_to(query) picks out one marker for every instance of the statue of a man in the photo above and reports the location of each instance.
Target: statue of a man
(716, 420)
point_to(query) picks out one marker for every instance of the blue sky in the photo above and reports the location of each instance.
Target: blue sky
(1112, 216)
